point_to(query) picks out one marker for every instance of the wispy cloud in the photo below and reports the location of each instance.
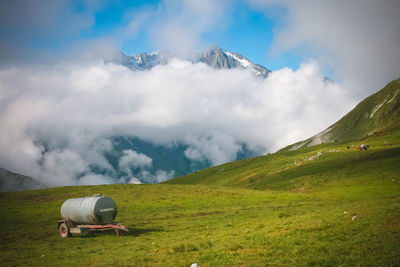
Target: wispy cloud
(32, 30)
(179, 25)
(358, 39)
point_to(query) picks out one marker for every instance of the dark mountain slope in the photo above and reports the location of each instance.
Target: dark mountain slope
(10, 181)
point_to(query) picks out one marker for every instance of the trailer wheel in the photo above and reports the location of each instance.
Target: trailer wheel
(64, 230)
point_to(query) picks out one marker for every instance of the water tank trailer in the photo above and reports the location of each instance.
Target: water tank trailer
(81, 215)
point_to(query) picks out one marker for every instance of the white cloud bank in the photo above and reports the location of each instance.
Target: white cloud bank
(74, 109)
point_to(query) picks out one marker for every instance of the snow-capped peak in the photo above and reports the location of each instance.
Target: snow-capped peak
(213, 56)
(244, 62)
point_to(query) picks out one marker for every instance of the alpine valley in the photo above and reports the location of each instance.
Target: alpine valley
(170, 161)
(167, 161)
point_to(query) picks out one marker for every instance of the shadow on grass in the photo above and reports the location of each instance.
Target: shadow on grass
(138, 232)
(132, 232)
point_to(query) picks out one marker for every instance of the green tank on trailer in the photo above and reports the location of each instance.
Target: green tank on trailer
(82, 215)
(97, 209)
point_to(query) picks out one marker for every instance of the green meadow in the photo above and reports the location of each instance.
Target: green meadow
(326, 205)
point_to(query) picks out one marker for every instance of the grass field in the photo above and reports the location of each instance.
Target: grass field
(341, 208)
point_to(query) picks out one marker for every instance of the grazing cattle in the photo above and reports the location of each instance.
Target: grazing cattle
(364, 147)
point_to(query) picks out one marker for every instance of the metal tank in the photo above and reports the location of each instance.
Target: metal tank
(97, 209)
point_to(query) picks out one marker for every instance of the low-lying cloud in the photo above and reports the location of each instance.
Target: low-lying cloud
(57, 121)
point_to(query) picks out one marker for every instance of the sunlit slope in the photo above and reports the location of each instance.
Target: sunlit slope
(378, 112)
(309, 168)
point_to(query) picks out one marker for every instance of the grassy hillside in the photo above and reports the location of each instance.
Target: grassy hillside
(378, 112)
(303, 169)
(341, 208)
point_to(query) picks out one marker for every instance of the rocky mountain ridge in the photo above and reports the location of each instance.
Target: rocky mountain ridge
(213, 56)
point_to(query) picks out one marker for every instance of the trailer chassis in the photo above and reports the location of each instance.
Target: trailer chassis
(67, 228)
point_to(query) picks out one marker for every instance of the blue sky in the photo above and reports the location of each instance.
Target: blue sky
(346, 39)
(49, 27)
(247, 31)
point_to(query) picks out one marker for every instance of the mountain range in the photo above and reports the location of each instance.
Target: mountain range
(379, 112)
(212, 56)
(167, 161)
(171, 161)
